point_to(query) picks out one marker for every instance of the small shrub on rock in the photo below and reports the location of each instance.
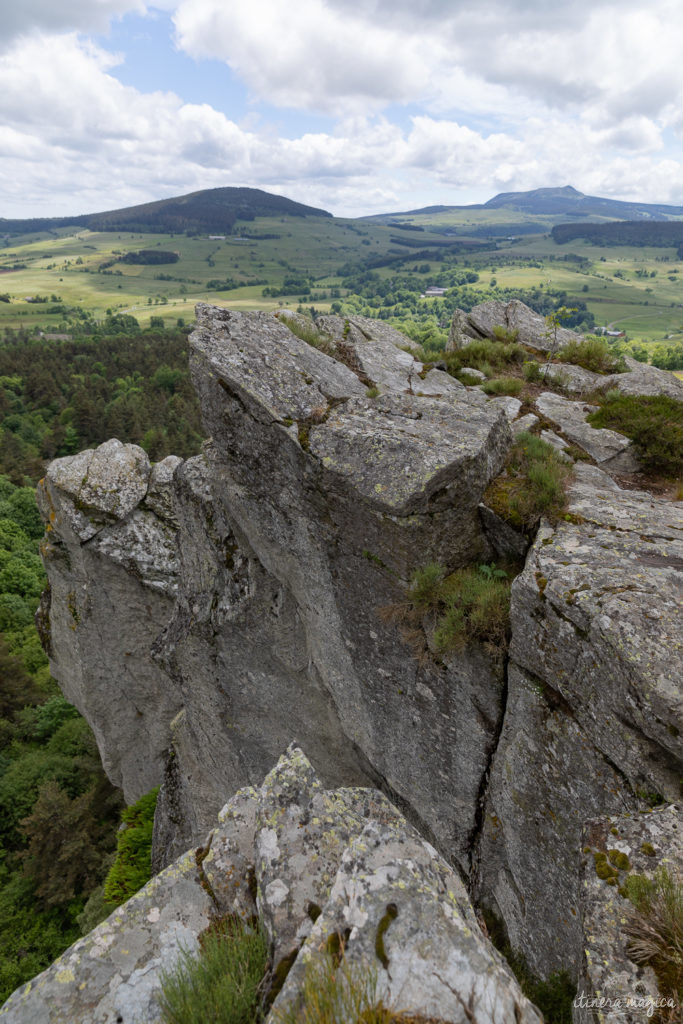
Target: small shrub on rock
(476, 608)
(592, 354)
(532, 485)
(484, 355)
(132, 867)
(655, 931)
(467, 606)
(503, 386)
(653, 422)
(223, 983)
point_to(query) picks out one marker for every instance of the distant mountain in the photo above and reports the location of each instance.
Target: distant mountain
(215, 210)
(563, 203)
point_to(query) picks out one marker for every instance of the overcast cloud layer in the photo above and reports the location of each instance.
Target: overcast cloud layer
(436, 102)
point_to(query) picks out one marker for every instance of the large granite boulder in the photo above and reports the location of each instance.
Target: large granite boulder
(250, 581)
(488, 318)
(336, 858)
(643, 379)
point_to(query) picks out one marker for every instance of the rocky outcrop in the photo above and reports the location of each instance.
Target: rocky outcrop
(347, 853)
(223, 606)
(485, 320)
(594, 705)
(610, 450)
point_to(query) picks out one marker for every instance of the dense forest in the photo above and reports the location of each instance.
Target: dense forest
(58, 813)
(626, 232)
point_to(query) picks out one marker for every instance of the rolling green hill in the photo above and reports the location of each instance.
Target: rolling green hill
(214, 210)
(70, 279)
(560, 203)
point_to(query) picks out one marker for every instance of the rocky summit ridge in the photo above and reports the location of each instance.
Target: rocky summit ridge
(205, 614)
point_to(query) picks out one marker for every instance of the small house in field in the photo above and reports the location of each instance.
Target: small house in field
(434, 292)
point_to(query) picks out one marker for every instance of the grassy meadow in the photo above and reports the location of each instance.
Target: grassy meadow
(637, 290)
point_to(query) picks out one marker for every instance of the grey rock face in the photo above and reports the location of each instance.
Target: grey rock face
(435, 956)
(265, 563)
(113, 974)
(642, 379)
(649, 840)
(220, 607)
(527, 422)
(594, 705)
(574, 379)
(347, 854)
(461, 331)
(508, 404)
(531, 327)
(94, 488)
(612, 451)
(113, 571)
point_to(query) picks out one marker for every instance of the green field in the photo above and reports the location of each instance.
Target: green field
(637, 290)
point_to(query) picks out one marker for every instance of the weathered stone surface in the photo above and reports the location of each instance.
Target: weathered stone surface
(642, 379)
(303, 831)
(228, 858)
(531, 327)
(113, 579)
(253, 595)
(437, 961)
(527, 422)
(612, 452)
(461, 331)
(439, 384)
(112, 975)
(81, 493)
(573, 379)
(594, 709)
(558, 443)
(160, 497)
(336, 856)
(648, 839)
(402, 453)
(373, 349)
(508, 404)
(504, 539)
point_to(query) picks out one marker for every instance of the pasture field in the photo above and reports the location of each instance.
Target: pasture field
(637, 290)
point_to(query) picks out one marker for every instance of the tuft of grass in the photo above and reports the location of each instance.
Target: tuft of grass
(223, 983)
(309, 333)
(592, 354)
(426, 587)
(554, 997)
(337, 992)
(467, 379)
(532, 371)
(503, 386)
(476, 608)
(486, 355)
(655, 931)
(532, 485)
(466, 606)
(504, 334)
(653, 422)
(132, 867)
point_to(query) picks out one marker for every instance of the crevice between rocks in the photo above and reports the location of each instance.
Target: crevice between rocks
(475, 836)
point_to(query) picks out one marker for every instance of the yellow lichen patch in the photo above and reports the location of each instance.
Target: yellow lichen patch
(65, 977)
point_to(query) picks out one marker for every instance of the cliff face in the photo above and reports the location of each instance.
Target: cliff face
(205, 614)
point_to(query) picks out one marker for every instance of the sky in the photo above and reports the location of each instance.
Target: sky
(355, 106)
